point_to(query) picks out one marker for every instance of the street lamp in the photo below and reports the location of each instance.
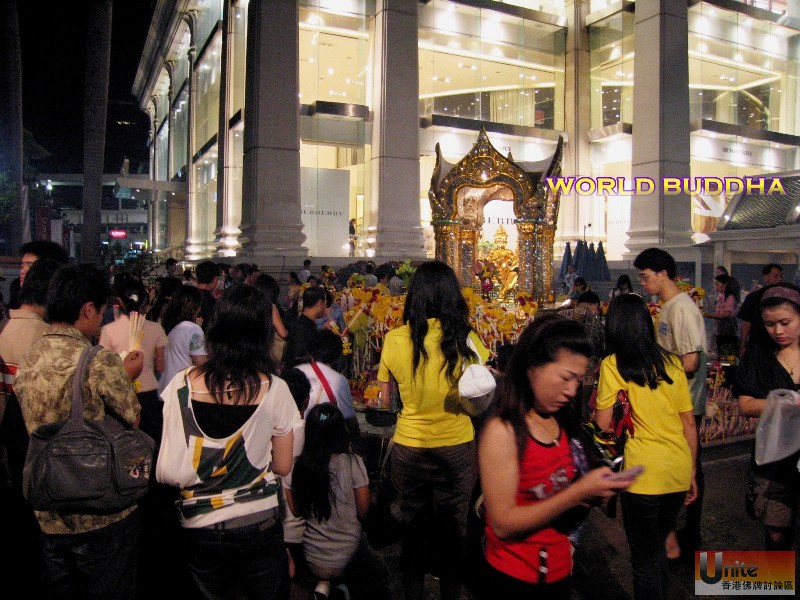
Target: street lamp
(584, 231)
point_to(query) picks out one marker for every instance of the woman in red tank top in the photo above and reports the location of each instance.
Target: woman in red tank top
(531, 502)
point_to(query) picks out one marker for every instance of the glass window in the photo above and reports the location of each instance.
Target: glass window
(334, 48)
(485, 65)
(774, 6)
(162, 99)
(208, 13)
(742, 71)
(611, 68)
(334, 59)
(556, 7)
(334, 180)
(238, 52)
(162, 151)
(162, 221)
(205, 185)
(206, 92)
(180, 69)
(180, 132)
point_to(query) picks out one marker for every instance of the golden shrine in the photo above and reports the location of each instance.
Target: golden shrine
(458, 195)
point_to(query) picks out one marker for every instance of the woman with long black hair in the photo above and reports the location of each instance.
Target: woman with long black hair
(624, 286)
(772, 362)
(531, 490)
(227, 434)
(664, 440)
(434, 464)
(329, 488)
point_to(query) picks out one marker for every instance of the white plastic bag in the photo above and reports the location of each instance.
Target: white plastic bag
(476, 386)
(778, 431)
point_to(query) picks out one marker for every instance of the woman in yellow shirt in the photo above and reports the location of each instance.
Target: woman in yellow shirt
(434, 461)
(664, 440)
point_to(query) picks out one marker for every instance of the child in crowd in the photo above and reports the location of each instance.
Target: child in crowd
(329, 487)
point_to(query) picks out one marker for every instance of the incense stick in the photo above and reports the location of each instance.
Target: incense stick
(135, 331)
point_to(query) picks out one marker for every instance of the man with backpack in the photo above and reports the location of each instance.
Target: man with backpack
(85, 555)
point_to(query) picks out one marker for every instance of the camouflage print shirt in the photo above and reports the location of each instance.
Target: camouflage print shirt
(44, 389)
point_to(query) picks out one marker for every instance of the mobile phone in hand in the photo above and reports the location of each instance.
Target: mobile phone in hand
(628, 474)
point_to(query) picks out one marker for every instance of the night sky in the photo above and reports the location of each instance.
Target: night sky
(53, 49)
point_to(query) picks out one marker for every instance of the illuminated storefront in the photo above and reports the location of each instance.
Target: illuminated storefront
(527, 71)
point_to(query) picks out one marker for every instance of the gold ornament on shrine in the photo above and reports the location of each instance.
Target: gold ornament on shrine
(506, 262)
(458, 195)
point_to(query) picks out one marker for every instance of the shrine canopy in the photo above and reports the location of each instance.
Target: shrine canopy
(459, 194)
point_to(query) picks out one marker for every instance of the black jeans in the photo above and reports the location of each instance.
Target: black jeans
(691, 537)
(434, 486)
(151, 418)
(252, 557)
(496, 584)
(648, 520)
(99, 564)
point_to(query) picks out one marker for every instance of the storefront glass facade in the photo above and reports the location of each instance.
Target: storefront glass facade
(743, 71)
(238, 57)
(489, 66)
(501, 65)
(611, 69)
(334, 57)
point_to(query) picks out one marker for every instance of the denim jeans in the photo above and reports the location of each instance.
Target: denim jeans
(97, 565)
(434, 486)
(648, 520)
(254, 558)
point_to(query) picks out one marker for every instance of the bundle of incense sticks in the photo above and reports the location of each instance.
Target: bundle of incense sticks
(352, 322)
(135, 331)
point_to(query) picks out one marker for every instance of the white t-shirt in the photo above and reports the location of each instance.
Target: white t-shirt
(339, 386)
(185, 341)
(115, 336)
(222, 478)
(681, 330)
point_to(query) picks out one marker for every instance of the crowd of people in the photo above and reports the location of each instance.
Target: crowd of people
(258, 479)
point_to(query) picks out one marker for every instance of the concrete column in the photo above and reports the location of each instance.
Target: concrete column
(395, 134)
(163, 242)
(271, 223)
(228, 216)
(660, 123)
(194, 235)
(575, 211)
(152, 205)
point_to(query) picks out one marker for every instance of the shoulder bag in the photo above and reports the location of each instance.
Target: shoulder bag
(324, 381)
(606, 448)
(87, 466)
(476, 386)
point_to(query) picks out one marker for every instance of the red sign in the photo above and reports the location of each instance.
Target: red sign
(117, 234)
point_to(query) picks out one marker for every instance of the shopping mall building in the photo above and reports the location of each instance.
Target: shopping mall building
(287, 118)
